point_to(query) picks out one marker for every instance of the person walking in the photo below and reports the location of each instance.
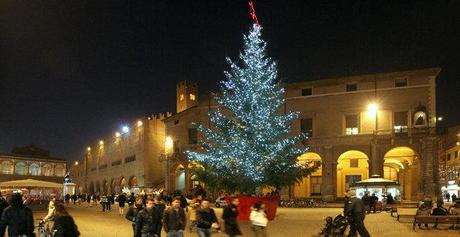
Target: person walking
(447, 196)
(373, 202)
(355, 212)
(51, 209)
(131, 199)
(160, 209)
(104, 202)
(192, 209)
(121, 203)
(174, 219)
(64, 225)
(454, 198)
(18, 218)
(366, 201)
(230, 215)
(206, 220)
(3, 204)
(132, 213)
(148, 220)
(259, 219)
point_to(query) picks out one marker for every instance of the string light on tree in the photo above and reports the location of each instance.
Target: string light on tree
(247, 145)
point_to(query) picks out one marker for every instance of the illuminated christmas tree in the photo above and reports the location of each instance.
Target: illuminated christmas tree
(247, 144)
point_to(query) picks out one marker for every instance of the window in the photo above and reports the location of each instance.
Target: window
(402, 82)
(354, 163)
(351, 124)
(34, 169)
(181, 97)
(307, 91)
(176, 147)
(47, 170)
(130, 159)
(306, 126)
(118, 162)
(456, 154)
(400, 122)
(192, 136)
(7, 167)
(21, 168)
(59, 170)
(352, 87)
(448, 157)
(315, 185)
(192, 97)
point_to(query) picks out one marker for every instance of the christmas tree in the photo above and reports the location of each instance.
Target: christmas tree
(247, 144)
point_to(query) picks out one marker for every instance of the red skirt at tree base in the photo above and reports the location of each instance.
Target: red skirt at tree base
(246, 203)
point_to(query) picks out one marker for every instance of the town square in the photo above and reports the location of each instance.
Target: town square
(229, 118)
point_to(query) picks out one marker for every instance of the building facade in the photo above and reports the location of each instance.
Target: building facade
(129, 158)
(17, 167)
(379, 124)
(451, 161)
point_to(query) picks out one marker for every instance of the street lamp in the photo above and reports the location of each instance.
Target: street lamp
(76, 162)
(372, 111)
(168, 151)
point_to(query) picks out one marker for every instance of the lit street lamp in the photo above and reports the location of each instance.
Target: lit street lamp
(168, 151)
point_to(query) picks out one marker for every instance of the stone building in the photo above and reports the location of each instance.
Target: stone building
(377, 124)
(127, 158)
(451, 161)
(45, 168)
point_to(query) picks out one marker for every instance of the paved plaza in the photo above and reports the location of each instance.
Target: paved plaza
(92, 222)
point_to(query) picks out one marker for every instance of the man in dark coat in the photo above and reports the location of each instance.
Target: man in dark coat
(148, 220)
(174, 219)
(229, 215)
(18, 218)
(3, 204)
(366, 201)
(373, 202)
(131, 215)
(355, 212)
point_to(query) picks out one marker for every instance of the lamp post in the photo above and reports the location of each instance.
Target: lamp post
(168, 151)
(372, 110)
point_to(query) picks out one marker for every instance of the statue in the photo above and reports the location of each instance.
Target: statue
(67, 178)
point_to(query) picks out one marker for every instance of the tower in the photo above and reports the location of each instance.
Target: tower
(186, 95)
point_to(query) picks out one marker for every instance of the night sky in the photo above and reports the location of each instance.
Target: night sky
(72, 72)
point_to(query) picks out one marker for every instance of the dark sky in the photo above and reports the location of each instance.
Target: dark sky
(74, 71)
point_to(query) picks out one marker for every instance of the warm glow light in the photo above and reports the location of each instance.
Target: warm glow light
(139, 123)
(117, 134)
(372, 109)
(125, 129)
(168, 144)
(458, 143)
(76, 162)
(101, 142)
(192, 97)
(88, 148)
(181, 97)
(439, 118)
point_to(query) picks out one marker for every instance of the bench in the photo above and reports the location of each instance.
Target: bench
(405, 216)
(436, 220)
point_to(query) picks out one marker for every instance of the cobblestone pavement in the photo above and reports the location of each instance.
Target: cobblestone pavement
(92, 222)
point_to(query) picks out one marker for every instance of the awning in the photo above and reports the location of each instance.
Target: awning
(376, 182)
(30, 183)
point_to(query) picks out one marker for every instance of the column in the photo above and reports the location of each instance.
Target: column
(329, 174)
(428, 175)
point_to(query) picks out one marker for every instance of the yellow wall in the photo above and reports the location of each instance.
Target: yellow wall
(343, 169)
(302, 189)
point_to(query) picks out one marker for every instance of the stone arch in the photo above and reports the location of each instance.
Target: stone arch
(133, 182)
(310, 185)
(91, 189)
(123, 183)
(98, 187)
(180, 178)
(401, 165)
(104, 187)
(352, 166)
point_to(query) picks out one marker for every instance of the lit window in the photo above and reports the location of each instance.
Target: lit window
(306, 126)
(400, 122)
(20, 168)
(7, 167)
(34, 169)
(351, 124)
(192, 97)
(47, 170)
(181, 97)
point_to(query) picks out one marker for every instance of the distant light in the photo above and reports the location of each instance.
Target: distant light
(372, 109)
(76, 162)
(139, 123)
(125, 129)
(458, 143)
(88, 148)
(440, 118)
(101, 142)
(117, 134)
